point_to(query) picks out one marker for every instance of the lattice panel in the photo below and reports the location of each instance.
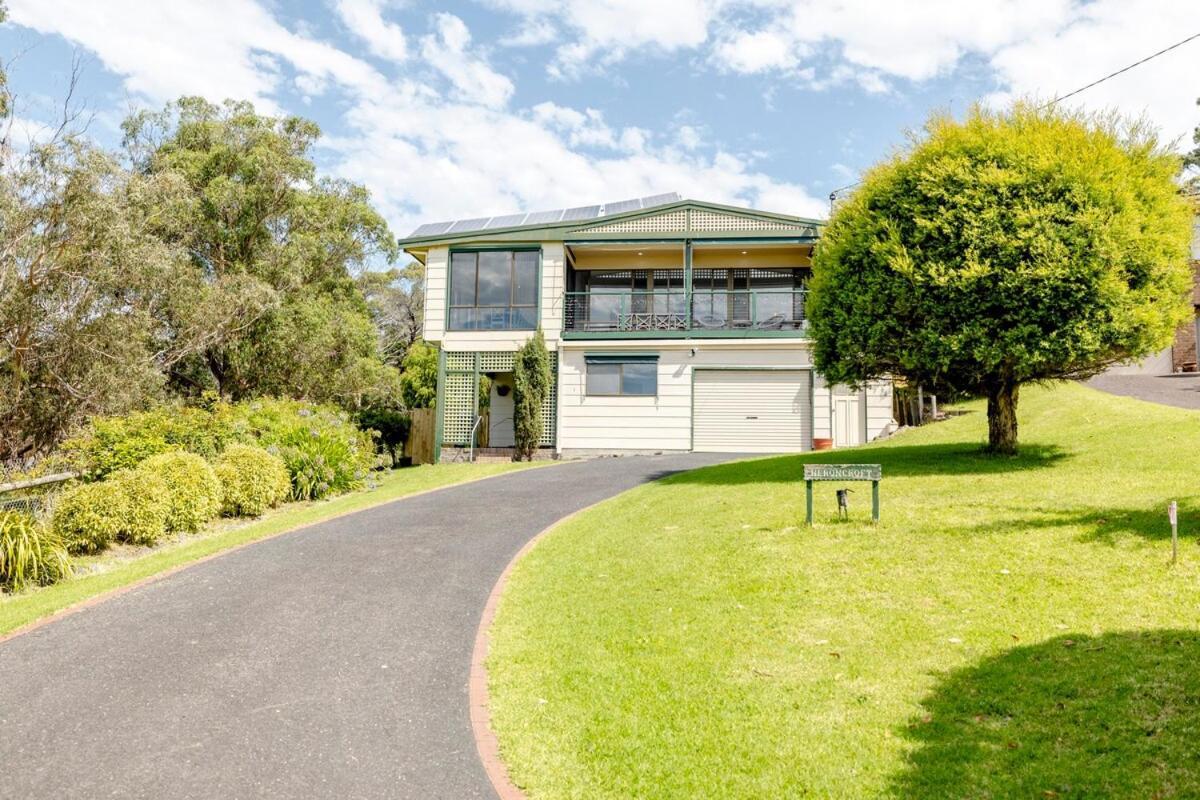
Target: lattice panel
(713, 222)
(458, 362)
(670, 222)
(496, 362)
(458, 397)
(459, 413)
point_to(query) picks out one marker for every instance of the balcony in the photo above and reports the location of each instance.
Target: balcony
(619, 313)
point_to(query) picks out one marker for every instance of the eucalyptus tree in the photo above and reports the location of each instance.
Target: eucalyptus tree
(268, 236)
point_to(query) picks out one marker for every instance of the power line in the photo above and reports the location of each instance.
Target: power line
(833, 195)
(1123, 69)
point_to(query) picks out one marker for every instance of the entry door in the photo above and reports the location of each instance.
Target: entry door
(847, 424)
(751, 411)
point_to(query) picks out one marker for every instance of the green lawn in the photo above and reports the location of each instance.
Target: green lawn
(121, 567)
(1011, 628)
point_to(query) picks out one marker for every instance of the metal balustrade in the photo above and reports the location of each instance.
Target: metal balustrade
(750, 311)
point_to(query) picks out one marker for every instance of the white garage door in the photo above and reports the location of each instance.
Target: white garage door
(751, 411)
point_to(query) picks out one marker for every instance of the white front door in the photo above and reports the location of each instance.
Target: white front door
(751, 411)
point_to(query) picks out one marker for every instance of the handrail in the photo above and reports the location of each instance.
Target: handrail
(474, 428)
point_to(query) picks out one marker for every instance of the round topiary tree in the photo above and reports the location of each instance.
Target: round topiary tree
(252, 480)
(193, 488)
(1011, 247)
(531, 391)
(148, 502)
(89, 517)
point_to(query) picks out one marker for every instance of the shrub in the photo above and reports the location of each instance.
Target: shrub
(252, 480)
(325, 453)
(391, 427)
(147, 504)
(109, 444)
(193, 488)
(89, 516)
(30, 553)
(531, 391)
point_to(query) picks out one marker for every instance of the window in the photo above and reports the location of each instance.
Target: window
(493, 290)
(636, 376)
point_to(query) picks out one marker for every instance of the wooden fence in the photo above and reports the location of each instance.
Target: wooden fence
(419, 446)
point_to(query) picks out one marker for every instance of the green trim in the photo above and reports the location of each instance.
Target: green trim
(752, 368)
(695, 334)
(687, 281)
(619, 354)
(489, 248)
(790, 236)
(558, 231)
(620, 358)
(441, 406)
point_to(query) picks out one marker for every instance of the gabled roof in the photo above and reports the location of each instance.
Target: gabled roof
(678, 219)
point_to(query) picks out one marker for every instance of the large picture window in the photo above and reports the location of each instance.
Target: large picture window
(635, 376)
(493, 290)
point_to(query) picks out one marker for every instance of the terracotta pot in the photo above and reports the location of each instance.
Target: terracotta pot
(822, 444)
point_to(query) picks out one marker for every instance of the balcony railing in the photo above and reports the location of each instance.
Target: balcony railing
(749, 310)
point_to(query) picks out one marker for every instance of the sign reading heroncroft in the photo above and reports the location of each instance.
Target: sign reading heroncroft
(843, 472)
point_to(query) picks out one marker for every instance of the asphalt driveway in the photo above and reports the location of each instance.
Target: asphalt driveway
(330, 662)
(1182, 390)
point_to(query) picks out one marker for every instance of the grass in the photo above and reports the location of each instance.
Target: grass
(122, 566)
(1011, 628)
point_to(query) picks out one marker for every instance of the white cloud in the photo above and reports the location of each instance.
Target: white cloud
(1042, 47)
(1104, 37)
(449, 51)
(426, 151)
(218, 49)
(365, 19)
(607, 31)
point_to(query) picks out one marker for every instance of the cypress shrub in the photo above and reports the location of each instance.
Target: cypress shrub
(531, 391)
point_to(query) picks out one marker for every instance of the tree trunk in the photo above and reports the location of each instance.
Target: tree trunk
(1002, 417)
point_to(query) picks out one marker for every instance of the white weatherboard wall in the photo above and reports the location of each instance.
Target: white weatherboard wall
(875, 396)
(651, 423)
(609, 424)
(552, 276)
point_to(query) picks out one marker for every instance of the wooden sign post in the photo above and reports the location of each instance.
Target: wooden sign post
(843, 472)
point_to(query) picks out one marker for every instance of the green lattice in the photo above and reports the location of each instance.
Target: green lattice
(458, 396)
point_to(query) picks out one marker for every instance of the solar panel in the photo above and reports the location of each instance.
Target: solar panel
(542, 217)
(506, 221)
(581, 212)
(622, 206)
(431, 228)
(468, 225)
(660, 199)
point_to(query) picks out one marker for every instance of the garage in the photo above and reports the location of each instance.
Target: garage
(751, 410)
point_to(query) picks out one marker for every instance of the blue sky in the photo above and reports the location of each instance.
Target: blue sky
(476, 108)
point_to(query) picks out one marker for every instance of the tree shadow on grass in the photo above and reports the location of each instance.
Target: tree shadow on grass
(903, 461)
(1116, 715)
(1105, 525)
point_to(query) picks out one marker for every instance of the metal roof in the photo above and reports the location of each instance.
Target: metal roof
(578, 214)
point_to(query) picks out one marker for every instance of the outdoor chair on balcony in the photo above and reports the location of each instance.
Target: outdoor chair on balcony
(708, 321)
(771, 323)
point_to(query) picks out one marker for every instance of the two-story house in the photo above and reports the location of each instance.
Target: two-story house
(674, 325)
